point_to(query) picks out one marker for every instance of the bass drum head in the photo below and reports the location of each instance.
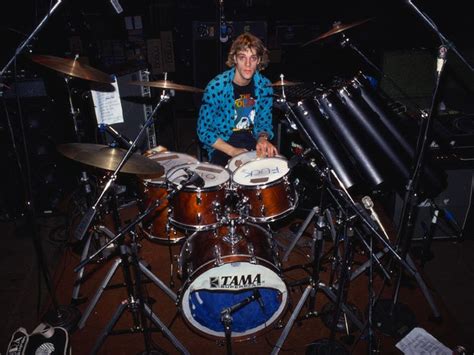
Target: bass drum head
(228, 285)
(213, 175)
(261, 171)
(168, 160)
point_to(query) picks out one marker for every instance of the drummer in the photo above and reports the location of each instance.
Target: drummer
(235, 115)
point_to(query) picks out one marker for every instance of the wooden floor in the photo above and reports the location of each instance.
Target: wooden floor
(302, 334)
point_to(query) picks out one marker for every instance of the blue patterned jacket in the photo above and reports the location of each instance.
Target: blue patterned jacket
(216, 116)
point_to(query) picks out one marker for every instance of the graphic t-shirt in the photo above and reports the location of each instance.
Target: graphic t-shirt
(244, 108)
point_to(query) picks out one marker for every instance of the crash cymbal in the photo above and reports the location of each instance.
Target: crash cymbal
(105, 157)
(336, 29)
(165, 84)
(285, 83)
(72, 67)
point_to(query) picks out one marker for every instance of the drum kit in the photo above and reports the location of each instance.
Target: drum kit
(233, 287)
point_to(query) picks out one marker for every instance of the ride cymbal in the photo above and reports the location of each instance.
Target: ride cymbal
(165, 84)
(336, 29)
(108, 158)
(72, 67)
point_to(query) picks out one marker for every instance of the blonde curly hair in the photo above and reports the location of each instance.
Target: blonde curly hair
(248, 41)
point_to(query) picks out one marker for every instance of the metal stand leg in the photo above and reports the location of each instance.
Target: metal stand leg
(157, 281)
(99, 292)
(300, 232)
(166, 332)
(108, 328)
(80, 274)
(421, 283)
(424, 288)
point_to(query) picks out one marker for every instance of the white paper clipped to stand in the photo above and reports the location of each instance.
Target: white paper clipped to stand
(107, 106)
(419, 341)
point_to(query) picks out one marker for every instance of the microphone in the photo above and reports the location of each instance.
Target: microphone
(258, 297)
(121, 139)
(194, 178)
(369, 205)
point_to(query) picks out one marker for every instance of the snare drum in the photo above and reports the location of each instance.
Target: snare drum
(155, 225)
(222, 269)
(265, 183)
(198, 208)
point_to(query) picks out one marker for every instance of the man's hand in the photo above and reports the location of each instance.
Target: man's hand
(265, 148)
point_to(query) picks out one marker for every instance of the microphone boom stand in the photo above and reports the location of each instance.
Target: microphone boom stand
(388, 308)
(65, 316)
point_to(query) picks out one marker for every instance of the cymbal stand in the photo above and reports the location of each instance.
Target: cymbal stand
(91, 213)
(94, 234)
(59, 315)
(132, 269)
(315, 284)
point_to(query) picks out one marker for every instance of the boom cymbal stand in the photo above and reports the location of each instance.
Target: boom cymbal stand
(134, 302)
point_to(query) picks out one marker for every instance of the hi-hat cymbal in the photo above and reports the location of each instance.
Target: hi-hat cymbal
(165, 84)
(285, 83)
(108, 158)
(72, 67)
(336, 29)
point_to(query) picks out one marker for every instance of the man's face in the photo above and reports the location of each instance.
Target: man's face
(246, 62)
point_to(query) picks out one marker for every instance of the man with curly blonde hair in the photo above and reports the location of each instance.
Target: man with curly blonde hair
(235, 114)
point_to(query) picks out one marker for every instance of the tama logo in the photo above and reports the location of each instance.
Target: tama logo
(236, 281)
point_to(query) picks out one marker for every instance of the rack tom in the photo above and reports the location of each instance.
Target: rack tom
(198, 208)
(264, 182)
(156, 226)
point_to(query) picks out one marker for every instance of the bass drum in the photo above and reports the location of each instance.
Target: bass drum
(224, 267)
(156, 226)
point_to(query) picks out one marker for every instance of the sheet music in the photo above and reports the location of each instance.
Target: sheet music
(107, 106)
(419, 341)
